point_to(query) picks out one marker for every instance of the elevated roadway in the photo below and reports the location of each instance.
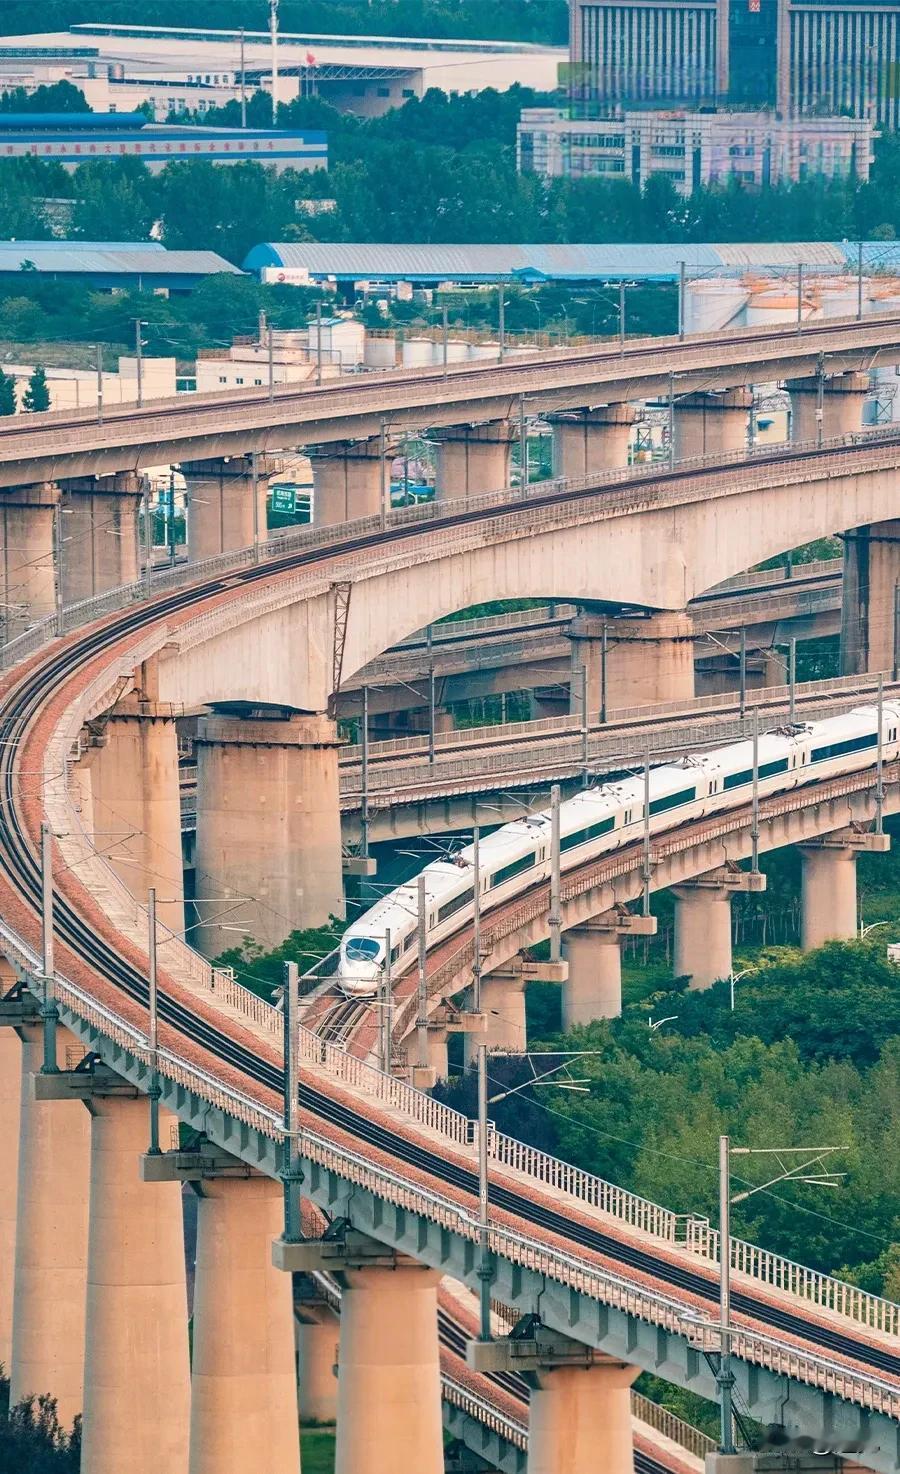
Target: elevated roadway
(609, 1270)
(67, 444)
(225, 1039)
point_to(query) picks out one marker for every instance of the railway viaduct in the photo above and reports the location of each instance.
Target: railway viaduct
(90, 751)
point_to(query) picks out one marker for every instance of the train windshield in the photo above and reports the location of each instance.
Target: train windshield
(363, 949)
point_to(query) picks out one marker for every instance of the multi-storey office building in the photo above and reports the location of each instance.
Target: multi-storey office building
(804, 58)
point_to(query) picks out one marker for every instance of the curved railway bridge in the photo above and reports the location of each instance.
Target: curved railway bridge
(630, 1283)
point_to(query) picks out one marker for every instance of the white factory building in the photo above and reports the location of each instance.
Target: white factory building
(118, 67)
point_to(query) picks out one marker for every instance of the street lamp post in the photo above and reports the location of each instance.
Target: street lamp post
(735, 977)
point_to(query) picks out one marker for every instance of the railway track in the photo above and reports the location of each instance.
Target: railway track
(656, 350)
(18, 862)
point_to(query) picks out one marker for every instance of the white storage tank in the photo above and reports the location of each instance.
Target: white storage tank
(779, 305)
(417, 352)
(381, 349)
(457, 350)
(712, 305)
(484, 350)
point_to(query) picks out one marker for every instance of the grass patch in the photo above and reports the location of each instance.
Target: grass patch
(317, 1450)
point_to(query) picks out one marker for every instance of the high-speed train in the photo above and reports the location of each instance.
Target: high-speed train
(517, 856)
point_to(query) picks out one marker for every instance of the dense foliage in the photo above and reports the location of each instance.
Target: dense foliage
(810, 1054)
(31, 1439)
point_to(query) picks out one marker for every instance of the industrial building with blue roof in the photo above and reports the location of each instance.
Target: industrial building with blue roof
(431, 264)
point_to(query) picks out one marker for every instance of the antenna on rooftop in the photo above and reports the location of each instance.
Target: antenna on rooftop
(273, 32)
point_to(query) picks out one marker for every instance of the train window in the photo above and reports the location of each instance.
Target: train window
(506, 872)
(450, 907)
(582, 836)
(395, 952)
(362, 949)
(672, 800)
(839, 749)
(410, 940)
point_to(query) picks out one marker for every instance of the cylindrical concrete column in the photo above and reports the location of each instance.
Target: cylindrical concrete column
(593, 988)
(437, 1052)
(711, 424)
(870, 599)
(827, 894)
(51, 1240)
(99, 523)
(27, 576)
(842, 398)
(503, 1002)
(591, 441)
(220, 504)
(244, 1380)
(137, 1375)
(348, 481)
(648, 660)
(389, 1382)
(317, 1331)
(472, 459)
(580, 1421)
(10, 1115)
(702, 933)
(268, 826)
(136, 803)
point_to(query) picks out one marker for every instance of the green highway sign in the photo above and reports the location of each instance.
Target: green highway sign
(284, 499)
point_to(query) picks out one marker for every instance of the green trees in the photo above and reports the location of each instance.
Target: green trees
(7, 394)
(37, 395)
(31, 1439)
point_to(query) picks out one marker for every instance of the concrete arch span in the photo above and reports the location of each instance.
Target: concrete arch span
(655, 548)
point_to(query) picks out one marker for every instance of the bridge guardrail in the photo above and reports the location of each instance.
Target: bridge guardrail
(842, 1381)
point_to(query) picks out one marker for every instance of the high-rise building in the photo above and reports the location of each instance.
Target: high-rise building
(802, 58)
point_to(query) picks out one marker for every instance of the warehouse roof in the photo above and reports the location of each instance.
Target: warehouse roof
(560, 263)
(108, 259)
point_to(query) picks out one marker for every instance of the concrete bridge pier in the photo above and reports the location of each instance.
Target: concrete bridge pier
(842, 400)
(135, 799)
(472, 459)
(48, 1316)
(590, 441)
(220, 510)
(268, 825)
(870, 613)
(137, 1374)
(649, 659)
(317, 1330)
(828, 905)
(27, 572)
(593, 950)
(389, 1386)
(503, 1005)
(100, 544)
(711, 423)
(349, 480)
(244, 1380)
(703, 924)
(580, 1406)
(580, 1419)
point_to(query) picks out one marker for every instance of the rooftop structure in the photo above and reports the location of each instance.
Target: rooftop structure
(433, 264)
(72, 138)
(178, 69)
(143, 264)
(694, 148)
